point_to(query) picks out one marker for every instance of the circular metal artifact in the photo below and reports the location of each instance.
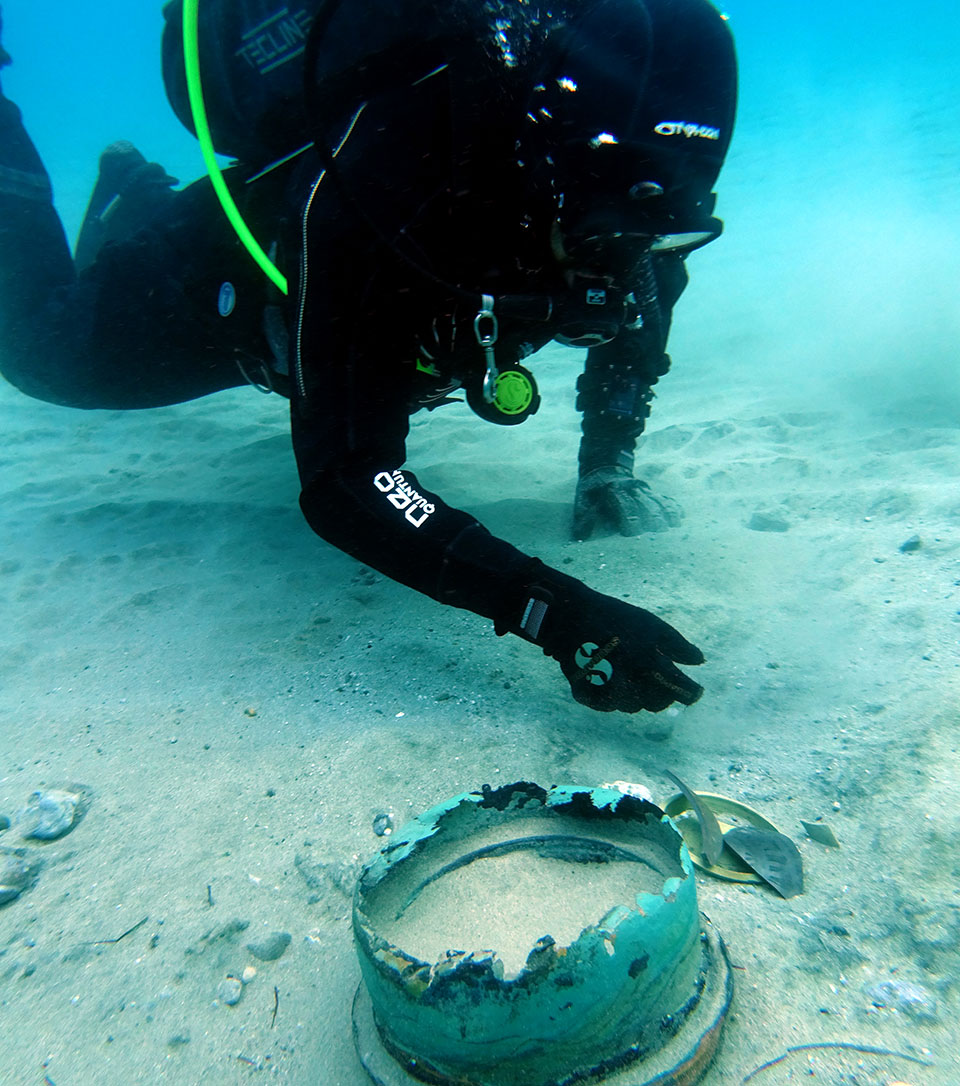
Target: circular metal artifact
(524, 936)
(731, 814)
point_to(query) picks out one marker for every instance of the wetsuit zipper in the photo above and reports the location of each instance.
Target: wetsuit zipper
(304, 261)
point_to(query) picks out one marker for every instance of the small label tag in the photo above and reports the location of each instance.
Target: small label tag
(533, 616)
(226, 299)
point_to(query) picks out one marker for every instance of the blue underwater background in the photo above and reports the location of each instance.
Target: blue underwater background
(246, 705)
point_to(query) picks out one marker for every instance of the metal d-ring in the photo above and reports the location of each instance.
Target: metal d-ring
(487, 341)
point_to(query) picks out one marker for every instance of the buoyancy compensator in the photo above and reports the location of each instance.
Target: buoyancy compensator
(252, 55)
(616, 115)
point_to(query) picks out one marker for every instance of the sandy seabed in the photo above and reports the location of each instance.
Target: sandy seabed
(243, 701)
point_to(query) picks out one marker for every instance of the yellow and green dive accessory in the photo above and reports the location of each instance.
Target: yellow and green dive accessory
(513, 397)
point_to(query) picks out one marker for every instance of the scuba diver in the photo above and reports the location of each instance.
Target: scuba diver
(447, 191)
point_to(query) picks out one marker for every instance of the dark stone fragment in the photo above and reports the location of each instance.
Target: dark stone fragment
(271, 947)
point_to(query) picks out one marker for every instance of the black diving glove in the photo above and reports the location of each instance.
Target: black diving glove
(610, 498)
(614, 655)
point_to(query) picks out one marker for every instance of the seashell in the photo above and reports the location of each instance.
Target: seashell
(50, 814)
(16, 875)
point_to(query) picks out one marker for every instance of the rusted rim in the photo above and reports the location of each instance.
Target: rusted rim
(682, 1061)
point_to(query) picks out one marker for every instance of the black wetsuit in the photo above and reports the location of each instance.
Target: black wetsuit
(367, 334)
(141, 327)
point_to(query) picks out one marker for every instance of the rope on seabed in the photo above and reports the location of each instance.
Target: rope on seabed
(846, 1045)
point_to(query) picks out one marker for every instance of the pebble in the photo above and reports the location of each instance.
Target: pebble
(271, 947)
(16, 875)
(914, 543)
(248, 974)
(905, 996)
(229, 991)
(4, 822)
(383, 824)
(49, 815)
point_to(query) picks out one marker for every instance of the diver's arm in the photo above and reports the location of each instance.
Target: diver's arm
(361, 499)
(616, 387)
(358, 495)
(349, 415)
(614, 655)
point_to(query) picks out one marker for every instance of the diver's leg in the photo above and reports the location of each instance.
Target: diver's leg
(129, 193)
(139, 326)
(35, 261)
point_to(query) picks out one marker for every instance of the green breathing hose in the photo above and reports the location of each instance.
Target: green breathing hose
(191, 56)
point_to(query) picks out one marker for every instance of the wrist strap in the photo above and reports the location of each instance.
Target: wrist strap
(534, 613)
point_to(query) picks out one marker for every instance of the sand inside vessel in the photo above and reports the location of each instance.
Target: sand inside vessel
(505, 903)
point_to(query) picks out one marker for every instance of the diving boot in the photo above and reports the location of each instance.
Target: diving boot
(129, 193)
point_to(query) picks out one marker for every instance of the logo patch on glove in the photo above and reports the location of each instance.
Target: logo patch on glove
(593, 666)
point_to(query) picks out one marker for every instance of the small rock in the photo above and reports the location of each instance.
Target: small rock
(906, 997)
(49, 815)
(767, 522)
(383, 824)
(248, 974)
(229, 991)
(4, 822)
(177, 1040)
(17, 874)
(271, 947)
(914, 543)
